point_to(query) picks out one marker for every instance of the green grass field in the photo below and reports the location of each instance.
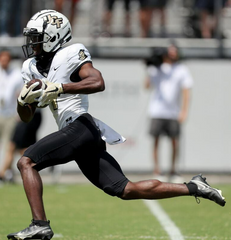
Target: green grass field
(83, 212)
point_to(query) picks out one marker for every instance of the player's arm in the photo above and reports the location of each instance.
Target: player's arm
(26, 113)
(91, 81)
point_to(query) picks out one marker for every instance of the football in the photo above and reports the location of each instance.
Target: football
(41, 84)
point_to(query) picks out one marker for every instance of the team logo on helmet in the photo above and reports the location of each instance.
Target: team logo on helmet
(53, 20)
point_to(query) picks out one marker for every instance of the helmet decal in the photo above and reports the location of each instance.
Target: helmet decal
(53, 20)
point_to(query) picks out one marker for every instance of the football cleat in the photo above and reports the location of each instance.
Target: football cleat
(34, 231)
(204, 190)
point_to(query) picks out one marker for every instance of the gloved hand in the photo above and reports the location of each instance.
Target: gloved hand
(28, 95)
(52, 91)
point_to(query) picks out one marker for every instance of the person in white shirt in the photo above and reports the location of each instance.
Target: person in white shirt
(69, 76)
(10, 86)
(171, 83)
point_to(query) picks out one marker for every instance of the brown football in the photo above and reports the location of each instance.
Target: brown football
(34, 81)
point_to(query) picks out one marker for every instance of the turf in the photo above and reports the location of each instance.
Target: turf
(84, 212)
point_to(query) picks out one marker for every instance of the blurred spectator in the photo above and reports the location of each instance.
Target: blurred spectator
(191, 24)
(11, 84)
(15, 18)
(169, 103)
(4, 10)
(25, 134)
(148, 9)
(10, 18)
(209, 14)
(107, 18)
(59, 7)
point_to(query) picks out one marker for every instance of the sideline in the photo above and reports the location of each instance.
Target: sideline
(169, 226)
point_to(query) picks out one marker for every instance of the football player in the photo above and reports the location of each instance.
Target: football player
(70, 76)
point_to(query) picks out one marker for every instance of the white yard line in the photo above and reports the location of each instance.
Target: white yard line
(169, 226)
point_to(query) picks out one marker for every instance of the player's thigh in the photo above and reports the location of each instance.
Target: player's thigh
(104, 172)
(65, 145)
(51, 150)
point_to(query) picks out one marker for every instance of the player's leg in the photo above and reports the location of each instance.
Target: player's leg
(39, 227)
(57, 148)
(153, 189)
(33, 187)
(105, 172)
(37, 157)
(47, 152)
